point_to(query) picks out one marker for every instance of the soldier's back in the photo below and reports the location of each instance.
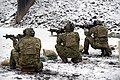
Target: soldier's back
(101, 31)
(100, 39)
(29, 49)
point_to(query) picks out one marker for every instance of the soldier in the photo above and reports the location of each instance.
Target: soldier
(97, 36)
(68, 45)
(28, 50)
(14, 57)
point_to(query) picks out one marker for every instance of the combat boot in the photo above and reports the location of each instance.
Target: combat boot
(65, 60)
(74, 60)
(39, 67)
(12, 63)
(85, 52)
(104, 53)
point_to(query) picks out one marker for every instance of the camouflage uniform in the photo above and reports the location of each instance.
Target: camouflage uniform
(65, 51)
(14, 57)
(28, 49)
(98, 41)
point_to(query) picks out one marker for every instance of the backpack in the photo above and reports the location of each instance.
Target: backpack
(101, 32)
(71, 39)
(29, 52)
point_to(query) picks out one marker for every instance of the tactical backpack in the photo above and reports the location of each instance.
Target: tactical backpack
(29, 52)
(101, 39)
(71, 39)
(101, 32)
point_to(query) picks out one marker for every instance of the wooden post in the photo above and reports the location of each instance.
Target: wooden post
(22, 8)
(119, 49)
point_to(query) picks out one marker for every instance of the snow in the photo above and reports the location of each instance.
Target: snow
(45, 14)
(92, 68)
(51, 13)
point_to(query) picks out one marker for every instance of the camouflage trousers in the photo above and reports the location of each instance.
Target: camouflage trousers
(65, 52)
(15, 62)
(97, 44)
(14, 59)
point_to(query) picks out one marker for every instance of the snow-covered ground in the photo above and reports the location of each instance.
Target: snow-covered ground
(45, 14)
(92, 68)
(52, 13)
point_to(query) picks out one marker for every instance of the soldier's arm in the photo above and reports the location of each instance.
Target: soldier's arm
(39, 43)
(59, 40)
(17, 45)
(39, 46)
(77, 37)
(14, 41)
(90, 32)
(86, 31)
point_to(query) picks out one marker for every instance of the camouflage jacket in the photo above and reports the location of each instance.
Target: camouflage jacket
(61, 39)
(29, 51)
(98, 32)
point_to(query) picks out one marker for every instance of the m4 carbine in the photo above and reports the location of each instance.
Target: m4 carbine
(19, 36)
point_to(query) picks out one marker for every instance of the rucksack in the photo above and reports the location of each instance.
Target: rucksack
(29, 52)
(101, 32)
(30, 46)
(71, 39)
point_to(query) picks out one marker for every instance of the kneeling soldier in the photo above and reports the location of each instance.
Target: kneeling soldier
(68, 44)
(27, 53)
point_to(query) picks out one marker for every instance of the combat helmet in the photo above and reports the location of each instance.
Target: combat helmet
(69, 27)
(97, 22)
(29, 32)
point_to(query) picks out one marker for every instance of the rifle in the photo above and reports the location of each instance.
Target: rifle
(9, 36)
(85, 26)
(18, 37)
(58, 31)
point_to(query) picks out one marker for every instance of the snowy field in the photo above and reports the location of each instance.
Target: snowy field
(45, 14)
(92, 68)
